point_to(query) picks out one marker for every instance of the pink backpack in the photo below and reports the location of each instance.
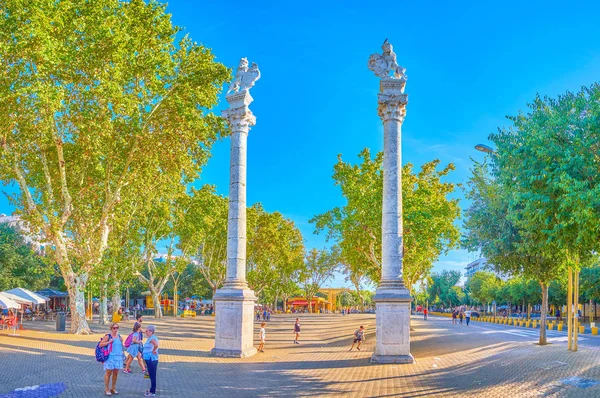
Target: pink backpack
(128, 340)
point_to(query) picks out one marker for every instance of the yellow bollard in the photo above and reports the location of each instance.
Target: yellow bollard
(560, 327)
(526, 324)
(534, 324)
(595, 331)
(582, 329)
(550, 326)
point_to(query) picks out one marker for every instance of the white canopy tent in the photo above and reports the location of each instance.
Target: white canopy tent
(7, 302)
(20, 301)
(28, 295)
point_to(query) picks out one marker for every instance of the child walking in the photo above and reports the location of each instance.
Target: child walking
(359, 337)
(262, 334)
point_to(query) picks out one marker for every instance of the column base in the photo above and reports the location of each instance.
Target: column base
(398, 359)
(219, 352)
(234, 323)
(393, 326)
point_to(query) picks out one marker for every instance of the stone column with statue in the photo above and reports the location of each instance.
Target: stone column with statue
(234, 302)
(392, 298)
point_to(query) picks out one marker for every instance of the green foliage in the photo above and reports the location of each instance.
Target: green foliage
(484, 287)
(441, 288)
(536, 210)
(20, 265)
(202, 233)
(428, 217)
(590, 283)
(97, 101)
(275, 251)
(555, 188)
(319, 267)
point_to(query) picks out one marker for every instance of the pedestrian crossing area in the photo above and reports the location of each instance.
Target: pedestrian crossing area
(552, 337)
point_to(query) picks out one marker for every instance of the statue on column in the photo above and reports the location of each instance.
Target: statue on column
(385, 64)
(244, 77)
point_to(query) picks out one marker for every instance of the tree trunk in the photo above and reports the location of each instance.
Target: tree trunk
(284, 297)
(309, 301)
(156, 299)
(103, 310)
(76, 289)
(543, 314)
(214, 290)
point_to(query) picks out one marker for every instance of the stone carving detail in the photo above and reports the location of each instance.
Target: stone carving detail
(392, 106)
(385, 64)
(244, 77)
(239, 118)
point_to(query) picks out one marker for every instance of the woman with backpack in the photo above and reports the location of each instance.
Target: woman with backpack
(133, 343)
(114, 362)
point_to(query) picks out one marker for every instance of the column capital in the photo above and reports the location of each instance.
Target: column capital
(238, 115)
(392, 106)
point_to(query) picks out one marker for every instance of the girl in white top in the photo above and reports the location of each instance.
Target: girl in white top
(262, 335)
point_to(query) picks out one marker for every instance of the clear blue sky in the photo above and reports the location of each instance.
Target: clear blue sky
(468, 66)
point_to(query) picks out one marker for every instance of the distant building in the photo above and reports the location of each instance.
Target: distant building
(480, 264)
(34, 240)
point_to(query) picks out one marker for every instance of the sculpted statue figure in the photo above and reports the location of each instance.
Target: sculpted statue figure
(237, 81)
(244, 77)
(250, 77)
(383, 64)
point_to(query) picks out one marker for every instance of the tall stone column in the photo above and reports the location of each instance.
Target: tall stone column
(392, 298)
(234, 302)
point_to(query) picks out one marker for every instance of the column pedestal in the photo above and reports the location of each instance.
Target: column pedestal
(392, 327)
(234, 323)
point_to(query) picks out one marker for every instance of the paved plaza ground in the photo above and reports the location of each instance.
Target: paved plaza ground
(482, 360)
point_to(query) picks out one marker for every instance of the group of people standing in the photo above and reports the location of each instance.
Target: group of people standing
(146, 352)
(359, 335)
(458, 314)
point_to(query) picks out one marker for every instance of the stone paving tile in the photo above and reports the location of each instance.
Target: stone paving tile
(481, 360)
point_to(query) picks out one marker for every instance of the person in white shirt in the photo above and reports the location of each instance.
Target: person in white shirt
(468, 316)
(262, 333)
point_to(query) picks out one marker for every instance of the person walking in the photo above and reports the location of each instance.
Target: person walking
(150, 355)
(359, 337)
(461, 316)
(135, 349)
(468, 316)
(118, 315)
(454, 314)
(114, 363)
(425, 314)
(297, 331)
(262, 334)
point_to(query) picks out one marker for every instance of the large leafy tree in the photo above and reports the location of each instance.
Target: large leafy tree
(441, 288)
(428, 217)
(20, 264)
(97, 99)
(488, 228)
(275, 250)
(483, 287)
(590, 283)
(320, 266)
(203, 234)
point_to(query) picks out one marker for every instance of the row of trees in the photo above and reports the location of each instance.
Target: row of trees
(105, 122)
(535, 203)
(485, 288)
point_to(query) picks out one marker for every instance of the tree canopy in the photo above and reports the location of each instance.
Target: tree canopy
(97, 99)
